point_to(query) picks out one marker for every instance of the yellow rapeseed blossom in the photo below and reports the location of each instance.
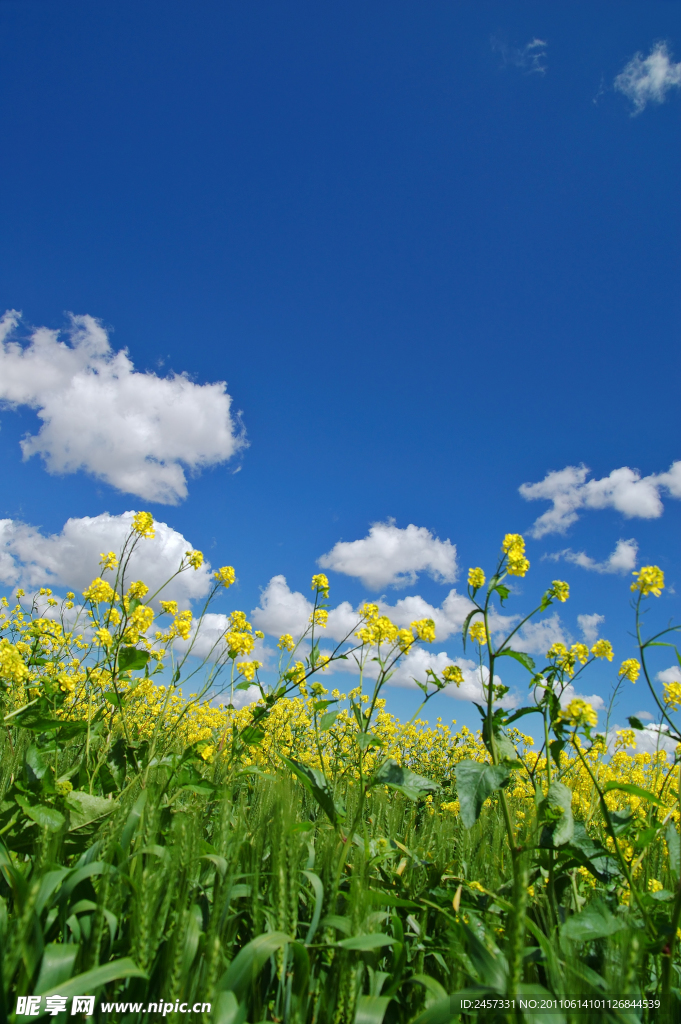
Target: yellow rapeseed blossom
(453, 674)
(581, 652)
(405, 639)
(195, 559)
(99, 591)
(476, 578)
(248, 669)
(104, 637)
(319, 617)
(169, 607)
(561, 590)
(137, 590)
(321, 583)
(630, 669)
(238, 620)
(579, 712)
(514, 547)
(478, 632)
(424, 629)
(672, 695)
(649, 580)
(143, 524)
(286, 642)
(378, 631)
(238, 641)
(602, 649)
(298, 672)
(513, 542)
(624, 738)
(108, 560)
(225, 575)
(517, 566)
(182, 624)
(13, 669)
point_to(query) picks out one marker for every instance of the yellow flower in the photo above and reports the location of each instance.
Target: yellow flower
(514, 546)
(99, 591)
(513, 542)
(672, 695)
(369, 611)
(625, 738)
(649, 580)
(476, 578)
(108, 561)
(182, 624)
(207, 752)
(248, 669)
(143, 524)
(169, 607)
(581, 652)
(424, 629)
(579, 712)
(286, 642)
(319, 617)
(22, 593)
(225, 575)
(517, 566)
(259, 634)
(405, 639)
(298, 672)
(630, 669)
(137, 590)
(239, 642)
(602, 649)
(321, 583)
(12, 666)
(453, 674)
(654, 885)
(104, 638)
(238, 620)
(69, 597)
(377, 631)
(478, 632)
(141, 619)
(44, 592)
(195, 558)
(561, 590)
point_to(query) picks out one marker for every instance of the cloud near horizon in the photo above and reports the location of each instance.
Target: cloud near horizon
(135, 431)
(391, 557)
(624, 490)
(621, 560)
(648, 79)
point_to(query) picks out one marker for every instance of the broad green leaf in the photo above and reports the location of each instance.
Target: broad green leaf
(434, 989)
(249, 961)
(117, 699)
(674, 846)
(328, 719)
(364, 942)
(84, 808)
(89, 981)
(219, 862)
(314, 781)
(46, 817)
(386, 899)
(252, 736)
(403, 780)
(371, 1009)
(475, 782)
(56, 966)
(367, 739)
(36, 763)
(629, 787)
(594, 922)
(525, 660)
(555, 813)
(228, 1010)
(636, 723)
(132, 660)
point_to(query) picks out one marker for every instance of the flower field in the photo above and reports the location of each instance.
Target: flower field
(309, 858)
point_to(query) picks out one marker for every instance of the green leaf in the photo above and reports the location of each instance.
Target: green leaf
(315, 782)
(464, 631)
(228, 1010)
(674, 847)
(36, 763)
(403, 780)
(84, 808)
(635, 723)
(371, 1009)
(114, 698)
(367, 739)
(46, 817)
(386, 899)
(365, 942)
(249, 961)
(83, 984)
(252, 736)
(441, 1012)
(555, 812)
(316, 883)
(56, 966)
(328, 719)
(502, 590)
(130, 659)
(594, 922)
(629, 787)
(475, 782)
(525, 660)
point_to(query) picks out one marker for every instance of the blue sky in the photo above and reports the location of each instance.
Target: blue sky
(432, 249)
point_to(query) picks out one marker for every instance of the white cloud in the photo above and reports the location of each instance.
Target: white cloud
(389, 556)
(569, 693)
(589, 626)
(70, 559)
(136, 431)
(647, 741)
(624, 489)
(282, 610)
(531, 57)
(648, 79)
(621, 560)
(670, 675)
(536, 637)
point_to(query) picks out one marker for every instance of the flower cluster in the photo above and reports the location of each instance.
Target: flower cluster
(514, 548)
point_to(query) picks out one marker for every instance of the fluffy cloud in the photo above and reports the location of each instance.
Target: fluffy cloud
(647, 741)
(569, 693)
(536, 637)
(589, 626)
(531, 57)
(136, 431)
(70, 559)
(648, 79)
(624, 489)
(621, 560)
(416, 664)
(282, 610)
(389, 556)
(670, 675)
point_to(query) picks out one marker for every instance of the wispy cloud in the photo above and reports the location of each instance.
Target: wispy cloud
(624, 489)
(531, 57)
(589, 626)
(136, 431)
(621, 560)
(648, 79)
